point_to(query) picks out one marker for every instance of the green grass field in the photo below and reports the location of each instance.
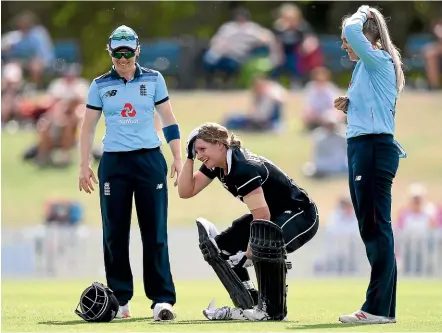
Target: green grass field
(47, 306)
(419, 115)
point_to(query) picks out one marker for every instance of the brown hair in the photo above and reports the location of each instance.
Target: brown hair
(215, 133)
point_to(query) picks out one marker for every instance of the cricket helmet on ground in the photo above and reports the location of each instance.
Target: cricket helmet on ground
(97, 304)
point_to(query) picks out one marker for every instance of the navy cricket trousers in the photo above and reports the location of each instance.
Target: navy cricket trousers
(141, 174)
(373, 161)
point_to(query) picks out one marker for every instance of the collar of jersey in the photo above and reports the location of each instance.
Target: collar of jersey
(117, 76)
(229, 160)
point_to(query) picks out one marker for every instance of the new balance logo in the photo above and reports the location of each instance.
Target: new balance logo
(358, 178)
(159, 186)
(110, 93)
(107, 188)
(360, 316)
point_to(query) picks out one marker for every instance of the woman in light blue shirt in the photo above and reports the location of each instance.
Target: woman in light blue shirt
(132, 168)
(373, 154)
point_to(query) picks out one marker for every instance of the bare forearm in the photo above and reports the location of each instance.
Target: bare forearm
(87, 135)
(186, 182)
(175, 148)
(86, 142)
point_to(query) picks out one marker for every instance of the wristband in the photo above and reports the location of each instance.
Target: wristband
(171, 132)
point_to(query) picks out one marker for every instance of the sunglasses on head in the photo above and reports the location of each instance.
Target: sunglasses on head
(121, 54)
(123, 37)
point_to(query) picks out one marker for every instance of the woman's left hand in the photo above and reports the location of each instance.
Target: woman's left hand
(176, 168)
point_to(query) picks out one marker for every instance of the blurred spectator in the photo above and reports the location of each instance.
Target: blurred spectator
(12, 89)
(232, 45)
(21, 105)
(58, 246)
(299, 46)
(57, 128)
(30, 45)
(329, 151)
(419, 216)
(341, 239)
(433, 57)
(415, 222)
(320, 94)
(265, 113)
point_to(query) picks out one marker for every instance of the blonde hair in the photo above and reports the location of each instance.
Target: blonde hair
(215, 133)
(376, 31)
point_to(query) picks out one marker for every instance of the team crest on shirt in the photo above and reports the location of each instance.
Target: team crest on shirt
(143, 91)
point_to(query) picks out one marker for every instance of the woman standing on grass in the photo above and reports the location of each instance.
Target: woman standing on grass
(373, 154)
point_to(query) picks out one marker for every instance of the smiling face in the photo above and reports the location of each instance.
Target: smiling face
(120, 61)
(211, 154)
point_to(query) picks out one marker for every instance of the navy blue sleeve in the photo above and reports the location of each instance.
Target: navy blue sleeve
(209, 173)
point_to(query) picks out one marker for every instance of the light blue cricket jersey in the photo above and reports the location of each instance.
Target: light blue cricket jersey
(372, 91)
(128, 108)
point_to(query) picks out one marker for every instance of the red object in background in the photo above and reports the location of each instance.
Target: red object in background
(310, 61)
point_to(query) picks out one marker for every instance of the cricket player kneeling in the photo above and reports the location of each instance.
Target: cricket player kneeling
(97, 304)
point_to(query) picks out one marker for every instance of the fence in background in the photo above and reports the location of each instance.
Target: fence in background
(63, 252)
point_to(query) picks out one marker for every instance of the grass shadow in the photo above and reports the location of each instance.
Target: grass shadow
(322, 326)
(81, 322)
(200, 322)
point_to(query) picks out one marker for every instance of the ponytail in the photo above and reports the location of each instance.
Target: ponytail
(388, 46)
(234, 142)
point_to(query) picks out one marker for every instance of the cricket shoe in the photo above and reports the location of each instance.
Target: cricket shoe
(257, 314)
(224, 313)
(123, 312)
(362, 317)
(163, 312)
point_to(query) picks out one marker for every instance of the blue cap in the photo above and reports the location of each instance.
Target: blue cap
(125, 37)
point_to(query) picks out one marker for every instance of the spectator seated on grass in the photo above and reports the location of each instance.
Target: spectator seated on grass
(320, 94)
(266, 110)
(232, 44)
(12, 90)
(57, 128)
(329, 151)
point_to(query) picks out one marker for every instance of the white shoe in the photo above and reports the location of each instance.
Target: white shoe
(224, 313)
(163, 312)
(123, 312)
(362, 317)
(256, 314)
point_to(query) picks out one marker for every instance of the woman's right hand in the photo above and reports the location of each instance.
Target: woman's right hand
(84, 180)
(341, 103)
